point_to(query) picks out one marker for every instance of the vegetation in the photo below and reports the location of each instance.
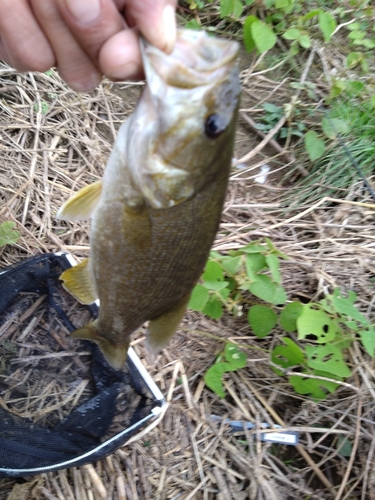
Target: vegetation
(315, 359)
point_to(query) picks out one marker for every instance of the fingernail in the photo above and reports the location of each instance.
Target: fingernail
(169, 24)
(123, 72)
(91, 81)
(84, 11)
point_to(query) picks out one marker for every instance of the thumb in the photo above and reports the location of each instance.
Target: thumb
(156, 21)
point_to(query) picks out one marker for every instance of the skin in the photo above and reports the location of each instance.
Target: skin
(36, 35)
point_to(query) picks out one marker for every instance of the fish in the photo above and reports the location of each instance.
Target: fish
(157, 209)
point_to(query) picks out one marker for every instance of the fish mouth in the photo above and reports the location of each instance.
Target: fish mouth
(197, 60)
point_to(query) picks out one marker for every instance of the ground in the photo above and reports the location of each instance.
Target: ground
(54, 141)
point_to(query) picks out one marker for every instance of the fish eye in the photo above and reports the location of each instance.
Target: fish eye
(214, 126)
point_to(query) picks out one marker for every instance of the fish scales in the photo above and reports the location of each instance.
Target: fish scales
(157, 210)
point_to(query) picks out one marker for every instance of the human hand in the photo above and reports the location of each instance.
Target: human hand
(84, 39)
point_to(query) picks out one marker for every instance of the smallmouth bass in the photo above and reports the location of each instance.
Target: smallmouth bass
(156, 211)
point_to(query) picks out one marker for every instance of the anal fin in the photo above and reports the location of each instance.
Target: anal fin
(162, 328)
(82, 204)
(77, 281)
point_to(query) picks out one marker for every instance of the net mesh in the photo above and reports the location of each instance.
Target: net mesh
(61, 404)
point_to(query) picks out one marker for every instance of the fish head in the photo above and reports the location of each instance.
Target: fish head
(186, 117)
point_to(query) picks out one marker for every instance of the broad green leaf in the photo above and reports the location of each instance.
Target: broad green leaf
(231, 264)
(229, 7)
(289, 315)
(310, 15)
(345, 306)
(327, 25)
(327, 358)
(280, 296)
(263, 36)
(193, 25)
(212, 272)
(254, 248)
(272, 108)
(266, 290)
(368, 340)
(199, 298)
(234, 356)
(292, 34)
(213, 376)
(353, 59)
(333, 126)
(262, 320)
(275, 250)
(314, 387)
(238, 8)
(247, 35)
(287, 355)
(316, 323)
(7, 235)
(344, 446)
(337, 88)
(305, 41)
(255, 262)
(263, 288)
(274, 264)
(315, 146)
(354, 87)
(213, 308)
(215, 285)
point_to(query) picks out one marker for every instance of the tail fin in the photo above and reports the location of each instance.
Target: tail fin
(114, 354)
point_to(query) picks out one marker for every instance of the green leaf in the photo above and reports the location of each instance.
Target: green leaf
(344, 446)
(231, 264)
(263, 288)
(193, 25)
(333, 126)
(368, 340)
(213, 376)
(199, 298)
(255, 262)
(327, 25)
(345, 306)
(289, 315)
(353, 59)
(315, 146)
(310, 15)
(305, 41)
(315, 322)
(254, 248)
(314, 387)
(215, 285)
(327, 358)
(275, 250)
(287, 355)
(274, 264)
(262, 320)
(263, 36)
(292, 34)
(247, 35)
(212, 272)
(235, 357)
(7, 235)
(228, 7)
(213, 308)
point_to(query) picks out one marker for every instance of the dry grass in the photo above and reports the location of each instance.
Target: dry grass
(46, 154)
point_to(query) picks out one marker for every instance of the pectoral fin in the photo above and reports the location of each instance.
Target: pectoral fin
(114, 354)
(77, 281)
(162, 328)
(82, 204)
